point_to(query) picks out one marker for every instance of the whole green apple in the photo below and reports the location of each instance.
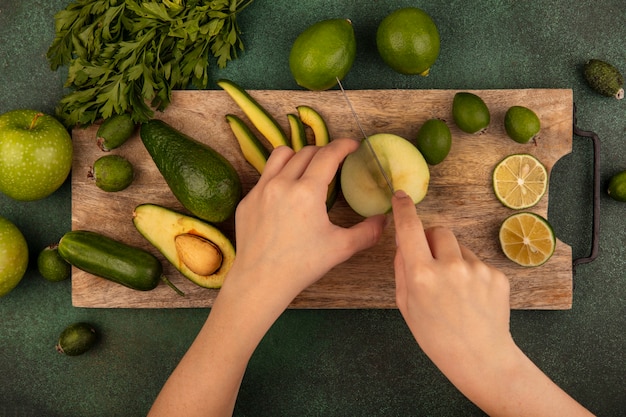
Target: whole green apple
(364, 186)
(13, 256)
(35, 154)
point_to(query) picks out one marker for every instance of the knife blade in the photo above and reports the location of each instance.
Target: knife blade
(366, 139)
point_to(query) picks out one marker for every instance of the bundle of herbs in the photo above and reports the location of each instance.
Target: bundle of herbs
(128, 56)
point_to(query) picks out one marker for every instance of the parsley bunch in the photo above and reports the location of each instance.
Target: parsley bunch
(124, 54)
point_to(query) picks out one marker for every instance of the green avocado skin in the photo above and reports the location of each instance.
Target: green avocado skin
(200, 178)
(604, 78)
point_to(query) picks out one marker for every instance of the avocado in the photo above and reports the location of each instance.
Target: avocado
(203, 180)
(312, 118)
(258, 115)
(200, 251)
(604, 78)
(298, 133)
(316, 122)
(251, 147)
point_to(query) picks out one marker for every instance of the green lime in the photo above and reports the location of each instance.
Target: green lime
(408, 41)
(51, 266)
(13, 256)
(322, 53)
(470, 112)
(76, 339)
(434, 141)
(521, 124)
(617, 186)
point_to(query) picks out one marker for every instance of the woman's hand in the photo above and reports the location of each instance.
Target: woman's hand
(285, 239)
(285, 242)
(457, 308)
(452, 302)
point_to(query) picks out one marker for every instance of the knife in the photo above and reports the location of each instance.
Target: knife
(366, 139)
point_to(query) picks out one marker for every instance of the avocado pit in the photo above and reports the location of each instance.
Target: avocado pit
(200, 255)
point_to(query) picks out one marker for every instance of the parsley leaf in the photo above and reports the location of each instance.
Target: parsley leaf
(123, 54)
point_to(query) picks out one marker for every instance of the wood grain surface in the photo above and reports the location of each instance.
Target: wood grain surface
(460, 194)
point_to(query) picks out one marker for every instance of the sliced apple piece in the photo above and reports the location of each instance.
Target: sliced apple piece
(251, 147)
(364, 186)
(260, 118)
(200, 251)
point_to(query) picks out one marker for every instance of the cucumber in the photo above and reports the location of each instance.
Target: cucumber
(260, 118)
(253, 150)
(315, 121)
(298, 134)
(113, 260)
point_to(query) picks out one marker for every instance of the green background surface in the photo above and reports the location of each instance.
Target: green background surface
(338, 362)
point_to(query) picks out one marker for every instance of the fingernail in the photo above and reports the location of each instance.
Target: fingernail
(400, 194)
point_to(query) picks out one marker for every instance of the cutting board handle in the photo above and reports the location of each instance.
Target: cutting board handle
(596, 192)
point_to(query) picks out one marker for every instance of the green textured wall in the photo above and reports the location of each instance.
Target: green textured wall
(346, 362)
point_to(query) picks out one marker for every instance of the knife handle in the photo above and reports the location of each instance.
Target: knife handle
(595, 234)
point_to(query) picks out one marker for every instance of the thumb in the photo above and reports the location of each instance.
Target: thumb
(365, 234)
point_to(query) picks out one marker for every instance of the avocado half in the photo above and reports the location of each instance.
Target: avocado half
(162, 227)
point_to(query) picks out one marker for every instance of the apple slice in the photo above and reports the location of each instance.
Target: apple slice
(364, 186)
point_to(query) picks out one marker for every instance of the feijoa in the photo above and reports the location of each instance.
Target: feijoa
(604, 78)
(112, 173)
(470, 112)
(51, 266)
(76, 339)
(617, 186)
(434, 141)
(115, 131)
(521, 124)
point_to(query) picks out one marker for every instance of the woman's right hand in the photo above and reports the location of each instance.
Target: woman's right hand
(453, 303)
(457, 308)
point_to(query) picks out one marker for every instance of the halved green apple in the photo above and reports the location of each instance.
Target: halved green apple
(364, 186)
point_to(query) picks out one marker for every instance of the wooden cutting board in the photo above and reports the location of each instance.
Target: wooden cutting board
(460, 194)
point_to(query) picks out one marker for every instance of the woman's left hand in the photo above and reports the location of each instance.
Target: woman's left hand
(285, 238)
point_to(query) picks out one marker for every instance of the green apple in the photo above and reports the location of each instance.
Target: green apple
(13, 256)
(364, 186)
(35, 154)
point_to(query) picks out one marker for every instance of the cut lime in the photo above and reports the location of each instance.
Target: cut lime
(527, 239)
(519, 181)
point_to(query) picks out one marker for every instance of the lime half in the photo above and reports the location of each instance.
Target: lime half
(519, 181)
(527, 239)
